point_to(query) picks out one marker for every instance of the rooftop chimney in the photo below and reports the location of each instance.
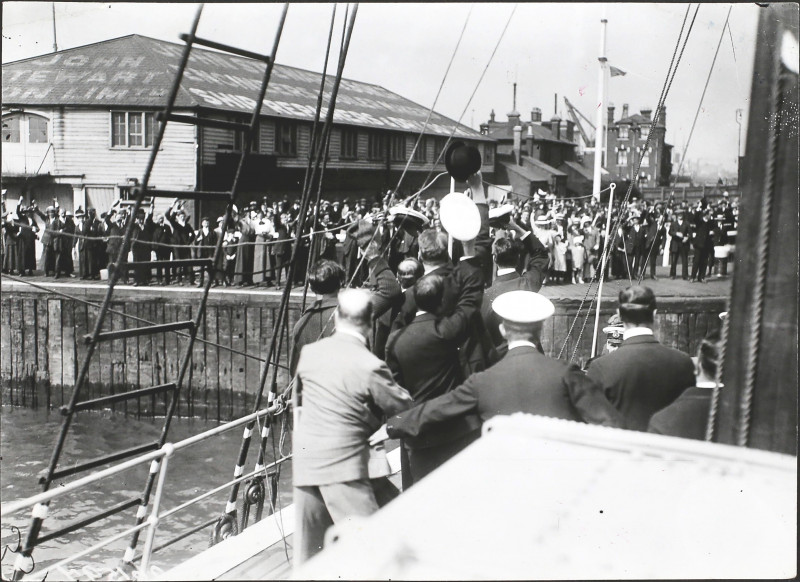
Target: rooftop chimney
(610, 121)
(514, 116)
(555, 126)
(517, 142)
(530, 140)
(536, 115)
(647, 112)
(491, 116)
(624, 110)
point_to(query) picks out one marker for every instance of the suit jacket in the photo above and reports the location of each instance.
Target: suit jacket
(642, 377)
(523, 381)
(679, 232)
(315, 323)
(687, 417)
(424, 358)
(502, 284)
(342, 390)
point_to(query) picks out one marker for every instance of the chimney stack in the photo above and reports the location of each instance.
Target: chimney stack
(646, 113)
(517, 142)
(491, 116)
(555, 126)
(624, 110)
(610, 114)
(536, 115)
(530, 140)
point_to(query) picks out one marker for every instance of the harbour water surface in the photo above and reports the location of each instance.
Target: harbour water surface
(27, 437)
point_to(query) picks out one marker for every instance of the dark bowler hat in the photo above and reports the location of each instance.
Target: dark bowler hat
(462, 160)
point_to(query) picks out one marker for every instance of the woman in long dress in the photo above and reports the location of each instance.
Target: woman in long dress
(263, 228)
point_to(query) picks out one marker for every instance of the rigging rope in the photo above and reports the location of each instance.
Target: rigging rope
(613, 232)
(688, 141)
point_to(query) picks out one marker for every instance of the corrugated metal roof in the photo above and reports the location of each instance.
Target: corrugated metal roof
(138, 71)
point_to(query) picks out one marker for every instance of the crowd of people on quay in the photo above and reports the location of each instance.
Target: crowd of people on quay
(427, 349)
(257, 244)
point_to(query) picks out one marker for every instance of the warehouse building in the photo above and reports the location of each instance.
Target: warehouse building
(78, 125)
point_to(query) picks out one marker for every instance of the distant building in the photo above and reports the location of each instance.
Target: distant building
(626, 141)
(537, 154)
(79, 125)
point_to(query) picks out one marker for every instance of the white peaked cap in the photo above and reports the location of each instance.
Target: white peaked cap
(523, 306)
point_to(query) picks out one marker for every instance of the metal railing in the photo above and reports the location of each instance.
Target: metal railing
(160, 459)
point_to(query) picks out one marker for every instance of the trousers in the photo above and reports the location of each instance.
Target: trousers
(318, 507)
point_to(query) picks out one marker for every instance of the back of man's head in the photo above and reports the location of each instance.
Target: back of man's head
(433, 247)
(429, 293)
(354, 310)
(637, 305)
(326, 277)
(708, 355)
(409, 271)
(506, 252)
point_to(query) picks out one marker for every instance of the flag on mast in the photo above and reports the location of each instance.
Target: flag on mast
(615, 72)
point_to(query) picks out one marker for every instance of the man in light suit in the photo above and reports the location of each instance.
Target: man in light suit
(642, 376)
(523, 381)
(341, 392)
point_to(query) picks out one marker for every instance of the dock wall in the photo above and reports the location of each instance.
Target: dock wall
(41, 336)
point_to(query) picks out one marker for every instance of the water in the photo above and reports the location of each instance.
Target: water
(26, 441)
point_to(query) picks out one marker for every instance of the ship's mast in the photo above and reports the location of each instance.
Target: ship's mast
(599, 140)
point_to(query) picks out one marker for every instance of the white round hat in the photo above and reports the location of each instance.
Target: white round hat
(460, 216)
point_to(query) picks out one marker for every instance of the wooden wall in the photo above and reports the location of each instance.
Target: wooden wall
(41, 349)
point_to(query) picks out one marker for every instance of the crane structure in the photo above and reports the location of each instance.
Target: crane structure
(576, 116)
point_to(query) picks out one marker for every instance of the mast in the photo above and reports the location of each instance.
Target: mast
(600, 134)
(55, 42)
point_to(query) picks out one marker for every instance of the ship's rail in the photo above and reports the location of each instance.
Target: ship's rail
(159, 461)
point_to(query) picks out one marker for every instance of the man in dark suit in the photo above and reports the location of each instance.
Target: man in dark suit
(679, 245)
(637, 236)
(703, 243)
(423, 357)
(524, 381)
(687, 417)
(325, 279)
(653, 239)
(341, 391)
(642, 376)
(477, 352)
(506, 252)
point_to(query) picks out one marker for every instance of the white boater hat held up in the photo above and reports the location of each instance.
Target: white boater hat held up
(460, 216)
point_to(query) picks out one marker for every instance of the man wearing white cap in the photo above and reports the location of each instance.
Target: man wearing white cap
(523, 381)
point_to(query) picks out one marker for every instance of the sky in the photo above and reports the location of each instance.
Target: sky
(548, 49)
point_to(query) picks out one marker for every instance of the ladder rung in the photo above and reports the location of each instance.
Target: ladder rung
(89, 520)
(193, 194)
(131, 265)
(205, 122)
(105, 400)
(226, 48)
(137, 331)
(105, 459)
